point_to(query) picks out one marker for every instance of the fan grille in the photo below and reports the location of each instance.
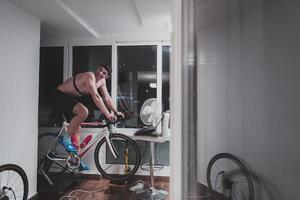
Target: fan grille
(150, 112)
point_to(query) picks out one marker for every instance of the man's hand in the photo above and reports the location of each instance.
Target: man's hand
(120, 114)
(111, 117)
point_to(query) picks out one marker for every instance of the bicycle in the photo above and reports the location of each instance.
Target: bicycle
(13, 183)
(117, 157)
(228, 176)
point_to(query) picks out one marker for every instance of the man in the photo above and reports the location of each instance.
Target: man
(67, 98)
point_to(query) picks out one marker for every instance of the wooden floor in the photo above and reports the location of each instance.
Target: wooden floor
(106, 190)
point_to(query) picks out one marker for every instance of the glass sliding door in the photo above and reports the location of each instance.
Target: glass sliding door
(137, 80)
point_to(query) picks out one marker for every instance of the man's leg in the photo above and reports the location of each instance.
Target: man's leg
(75, 138)
(81, 113)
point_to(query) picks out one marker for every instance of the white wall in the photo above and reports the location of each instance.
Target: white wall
(249, 89)
(19, 63)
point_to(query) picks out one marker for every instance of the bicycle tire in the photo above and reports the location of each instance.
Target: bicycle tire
(43, 161)
(15, 190)
(118, 140)
(230, 177)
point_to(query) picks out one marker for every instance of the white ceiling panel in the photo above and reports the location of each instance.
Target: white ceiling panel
(99, 18)
(155, 14)
(107, 16)
(54, 19)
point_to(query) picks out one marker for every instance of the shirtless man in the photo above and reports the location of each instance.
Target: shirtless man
(67, 98)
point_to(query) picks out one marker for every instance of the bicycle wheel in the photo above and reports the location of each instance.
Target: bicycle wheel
(126, 163)
(44, 143)
(228, 176)
(13, 183)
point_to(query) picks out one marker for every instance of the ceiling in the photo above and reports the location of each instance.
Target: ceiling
(99, 18)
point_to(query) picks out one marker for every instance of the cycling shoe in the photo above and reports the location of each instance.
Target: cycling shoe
(83, 166)
(66, 142)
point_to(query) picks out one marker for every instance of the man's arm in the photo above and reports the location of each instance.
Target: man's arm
(108, 100)
(97, 98)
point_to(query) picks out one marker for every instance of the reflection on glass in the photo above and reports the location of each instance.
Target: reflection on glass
(51, 75)
(136, 81)
(87, 58)
(166, 77)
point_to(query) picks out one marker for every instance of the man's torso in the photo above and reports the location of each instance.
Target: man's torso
(81, 82)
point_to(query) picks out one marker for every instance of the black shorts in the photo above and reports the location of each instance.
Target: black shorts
(65, 103)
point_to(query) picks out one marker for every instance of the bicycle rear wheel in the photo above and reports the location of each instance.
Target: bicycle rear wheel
(44, 143)
(126, 163)
(13, 183)
(228, 176)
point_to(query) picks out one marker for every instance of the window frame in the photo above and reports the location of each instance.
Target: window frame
(68, 68)
(64, 61)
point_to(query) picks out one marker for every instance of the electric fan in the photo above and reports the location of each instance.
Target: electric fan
(150, 112)
(150, 115)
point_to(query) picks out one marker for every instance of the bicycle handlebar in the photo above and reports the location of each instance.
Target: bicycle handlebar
(108, 122)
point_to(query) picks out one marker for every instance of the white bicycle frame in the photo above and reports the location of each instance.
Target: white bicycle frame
(106, 134)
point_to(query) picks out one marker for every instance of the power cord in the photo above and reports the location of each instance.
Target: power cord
(70, 197)
(14, 194)
(136, 186)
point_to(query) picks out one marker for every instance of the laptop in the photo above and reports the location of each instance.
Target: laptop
(149, 130)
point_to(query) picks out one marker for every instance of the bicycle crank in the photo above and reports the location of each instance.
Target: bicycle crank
(73, 161)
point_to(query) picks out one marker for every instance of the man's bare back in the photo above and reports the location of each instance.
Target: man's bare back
(83, 84)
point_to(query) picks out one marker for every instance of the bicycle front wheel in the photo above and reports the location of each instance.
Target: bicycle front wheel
(13, 183)
(127, 161)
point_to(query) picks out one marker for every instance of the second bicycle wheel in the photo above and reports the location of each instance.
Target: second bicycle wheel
(126, 163)
(44, 143)
(13, 183)
(228, 176)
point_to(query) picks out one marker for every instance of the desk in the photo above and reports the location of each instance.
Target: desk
(130, 133)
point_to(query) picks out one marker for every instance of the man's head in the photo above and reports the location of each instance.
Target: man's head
(103, 71)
